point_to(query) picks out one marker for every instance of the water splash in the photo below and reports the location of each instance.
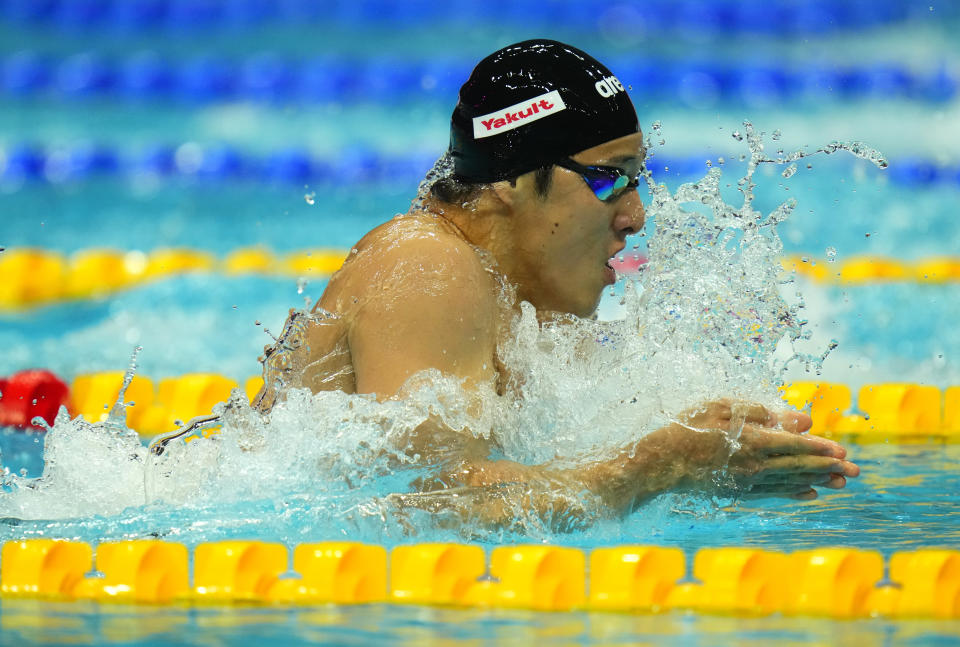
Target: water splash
(705, 319)
(442, 168)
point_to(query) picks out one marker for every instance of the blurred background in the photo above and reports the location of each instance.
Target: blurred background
(262, 138)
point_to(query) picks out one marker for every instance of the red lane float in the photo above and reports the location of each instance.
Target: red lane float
(28, 394)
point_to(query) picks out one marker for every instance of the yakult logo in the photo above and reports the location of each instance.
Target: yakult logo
(516, 115)
(609, 86)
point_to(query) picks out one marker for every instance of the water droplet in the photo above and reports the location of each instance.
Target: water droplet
(709, 164)
(736, 135)
(310, 198)
(776, 134)
(301, 284)
(831, 254)
(867, 235)
(789, 171)
(257, 322)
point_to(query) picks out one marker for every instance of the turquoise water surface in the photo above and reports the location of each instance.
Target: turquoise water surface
(207, 127)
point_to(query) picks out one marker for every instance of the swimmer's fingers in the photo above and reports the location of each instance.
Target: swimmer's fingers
(795, 422)
(788, 467)
(752, 413)
(748, 412)
(787, 419)
(772, 442)
(729, 413)
(833, 480)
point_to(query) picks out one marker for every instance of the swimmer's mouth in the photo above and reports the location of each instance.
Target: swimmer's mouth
(609, 274)
(612, 262)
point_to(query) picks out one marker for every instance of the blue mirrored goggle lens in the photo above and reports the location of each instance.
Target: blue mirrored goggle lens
(607, 185)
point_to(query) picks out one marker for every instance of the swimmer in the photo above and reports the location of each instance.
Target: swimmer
(547, 155)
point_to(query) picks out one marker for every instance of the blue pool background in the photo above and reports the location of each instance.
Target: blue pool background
(204, 124)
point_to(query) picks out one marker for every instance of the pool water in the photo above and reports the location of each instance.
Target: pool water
(296, 130)
(57, 623)
(907, 498)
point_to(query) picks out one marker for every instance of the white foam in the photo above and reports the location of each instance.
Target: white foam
(706, 319)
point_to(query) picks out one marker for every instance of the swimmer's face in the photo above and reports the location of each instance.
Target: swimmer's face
(565, 241)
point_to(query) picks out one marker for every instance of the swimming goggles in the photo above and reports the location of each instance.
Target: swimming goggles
(606, 182)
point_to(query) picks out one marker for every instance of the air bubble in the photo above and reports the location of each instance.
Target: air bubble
(310, 198)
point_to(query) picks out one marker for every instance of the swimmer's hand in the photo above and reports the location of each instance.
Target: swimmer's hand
(771, 457)
(761, 453)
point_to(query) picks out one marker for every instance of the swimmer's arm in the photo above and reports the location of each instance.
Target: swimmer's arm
(647, 468)
(501, 493)
(773, 459)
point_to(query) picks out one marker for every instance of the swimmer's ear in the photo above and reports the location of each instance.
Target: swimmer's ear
(504, 191)
(510, 192)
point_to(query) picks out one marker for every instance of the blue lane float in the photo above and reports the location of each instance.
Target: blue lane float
(778, 17)
(269, 77)
(24, 161)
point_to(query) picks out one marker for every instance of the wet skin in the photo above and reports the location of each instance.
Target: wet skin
(422, 291)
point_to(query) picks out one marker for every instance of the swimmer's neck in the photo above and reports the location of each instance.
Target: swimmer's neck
(488, 222)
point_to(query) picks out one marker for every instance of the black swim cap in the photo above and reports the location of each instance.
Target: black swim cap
(530, 104)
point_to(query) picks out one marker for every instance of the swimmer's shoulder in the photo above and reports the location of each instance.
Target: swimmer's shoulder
(408, 251)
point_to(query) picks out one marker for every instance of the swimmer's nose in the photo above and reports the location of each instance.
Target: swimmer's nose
(629, 217)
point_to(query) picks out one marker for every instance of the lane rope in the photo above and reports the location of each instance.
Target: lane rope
(270, 77)
(882, 412)
(36, 277)
(831, 582)
(22, 162)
